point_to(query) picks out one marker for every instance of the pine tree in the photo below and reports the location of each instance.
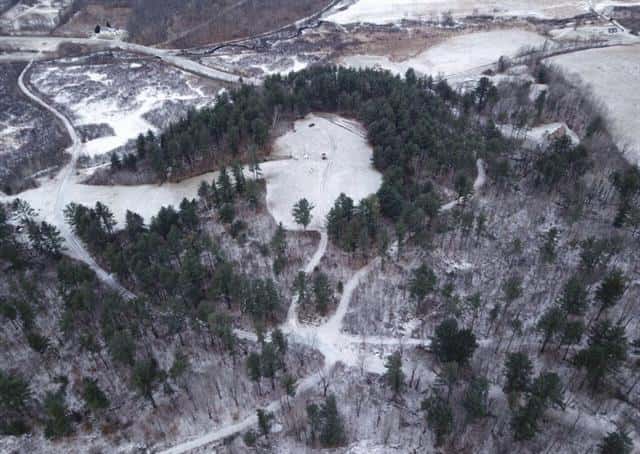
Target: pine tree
(548, 249)
(238, 176)
(225, 189)
(616, 443)
(517, 370)
(134, 225)
(93, 396)
(322, 292)
(300, 288)
(605, 353)
(423, 282)
(14, 392)
(551, 324)
(475, 399)
(302, 212)
(264, 421)
(394, 375)
(254, 368)
(314, 419)
(332, 433)
(574, 296)
(545, 391)
(439, 417)
(451, 344)
(279, 247)
(610, 290)
(204, 192)
(58, 420)
(146, 376)
(115, 161)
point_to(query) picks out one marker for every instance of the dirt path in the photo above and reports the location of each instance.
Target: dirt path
(481, 179)
(327, 338)
(171, 57)
(74, 248)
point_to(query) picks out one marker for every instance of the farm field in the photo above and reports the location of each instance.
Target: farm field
(388, 11)
(467, 53)
(613, 75)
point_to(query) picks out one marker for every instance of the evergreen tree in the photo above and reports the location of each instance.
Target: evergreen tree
(616, 443)
(322, 292)
(146, 376)
(451, 344)
(605, 353)
(394, 375)
(574, 296)
(423, 282)
(439, 417)
(610, 290)
(551, 324)
(93, 396)
(302, 212)
(115, 161)
(238, 177)
(314, 419)
(475, 399)
(254, 367)
(332, 433)
(279, 247)
(14, 392)
(134, 225)
(264, 421)
(225, 188)
(545, 391)
(301, 288)
(548, 249)
(517, 370)
(58, 420)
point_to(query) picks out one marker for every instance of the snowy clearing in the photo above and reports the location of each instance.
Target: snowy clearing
(613, 74)
(146, 200)
(347, 168)
(457, 55)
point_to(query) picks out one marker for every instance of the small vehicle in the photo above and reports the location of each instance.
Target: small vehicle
(324, 156)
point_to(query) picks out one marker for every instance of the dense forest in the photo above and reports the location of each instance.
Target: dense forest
(416, 135)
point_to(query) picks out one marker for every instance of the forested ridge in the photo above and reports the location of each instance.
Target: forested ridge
(420, 130)
(188, 269)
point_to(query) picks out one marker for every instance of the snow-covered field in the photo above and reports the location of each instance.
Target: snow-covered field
(129, 95)
(472, 52)
(593, 32)
(41, 15)
(347, 168)
(145, 200)
(389, 11)
(614, 75)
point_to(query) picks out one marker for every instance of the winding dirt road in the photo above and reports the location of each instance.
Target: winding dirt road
(73, 244)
